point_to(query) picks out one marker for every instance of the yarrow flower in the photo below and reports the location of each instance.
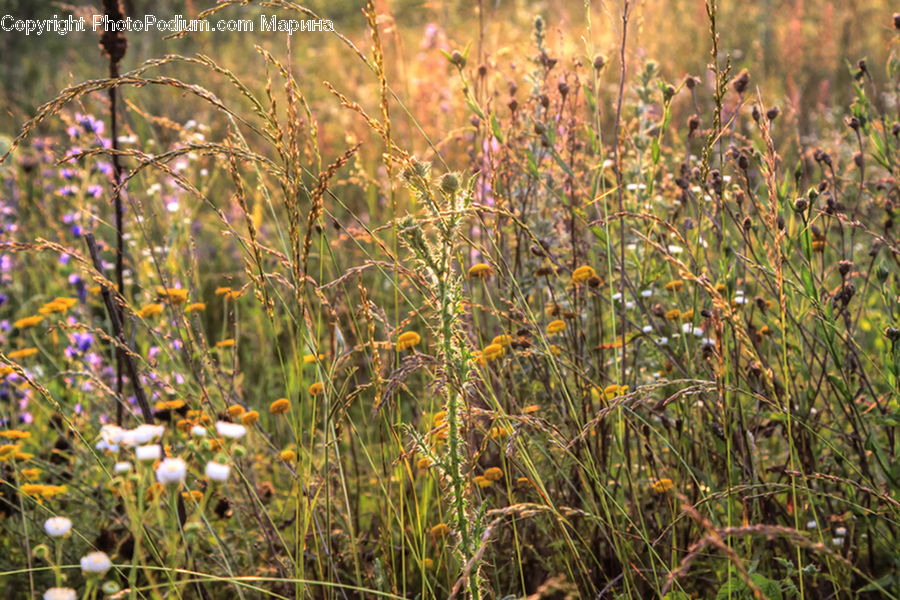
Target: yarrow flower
(147, 453)
(57, 526)
(60, 593)
(96, 562)
(216, 471)
(230, 430)
(171, 470)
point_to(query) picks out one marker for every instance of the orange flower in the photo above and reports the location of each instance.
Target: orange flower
(249, 418)
(24, 353)
(195, 307)
(441, 530)
(502, 340)
(235, 410)
(317, 388)
(408, 339)
(583, 273)
(280, 406)
(675, 285)
(28, 322)
(288, 456)
(662, 486)
(556, 327)
(483, 482)
(151, 310)
(229, 343)
(494, 473)
(172, 295)
(481, 270)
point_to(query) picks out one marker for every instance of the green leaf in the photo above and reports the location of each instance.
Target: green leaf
(495, 128)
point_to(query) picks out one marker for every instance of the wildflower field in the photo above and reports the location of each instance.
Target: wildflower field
(479, 299)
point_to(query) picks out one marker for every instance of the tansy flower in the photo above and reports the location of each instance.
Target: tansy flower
(222, 290)
(439, 531)
(556, 327)
(494, 473)
(611, 391)
(424, 463)
(408, 339)
(583, 273)
(31, 474)
(172, 295)
(53, 307)
(233, 294)
(14, 434)
(96, 562)
(235, 410)
(493, 352)
(499, 433)
(672, 315)
(675, 285)
(483, 482)
(216, 471)
(280, 406)
(230, 430)
(249, 418)
(229, 343)
(480, 270)
(687, 316)
(524, 481)
(151, 310)
(502, 340)
(28, 322)
(311, 358)
(171, 470)
(57, 526)
(193, 495)
(24, 353)
(60, 593)
(6, 370)
(439, 417)
(7, 450)
(288, 456)
(531, 408)
(555, 350)
(317, 388)
(195, 307)
(662, 486)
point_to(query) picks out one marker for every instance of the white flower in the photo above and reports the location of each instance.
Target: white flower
(95, 562)
(216, 471)
(840, 531)
(646, 293)
(171, 470)
(811, 525)
(110, 436)
(147, 453)
(143, 434)
(198, 430)
(673, 249)
(57, 526)
(838, 541)
(230, 430)
(647, 328)
(60, 593)
(122, 467)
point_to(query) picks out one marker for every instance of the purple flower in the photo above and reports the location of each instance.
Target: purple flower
(95, 190)
(83, 341)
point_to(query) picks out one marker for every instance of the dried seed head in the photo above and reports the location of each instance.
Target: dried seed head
(858, 159)
(563, 87)
(852, 123)
(741, 82)
(449, 183)
(773, 113)
(895, 129)
(747, 224)
(458, 59)
(755, 113)
(691, 82)
(800, 205)
(599, 62)
(513, 105)
(482, 70)
(892, 333)
(897, 21)
(544, 100)
(844, 267)
(693, 124)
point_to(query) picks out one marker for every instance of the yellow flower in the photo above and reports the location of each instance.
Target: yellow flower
(31, 474)
(439, 417)
(23, 455)
(7, 451)
(195, 495)
(408, 339)
(195, 307)
(499, 433)
(311, 358)
(428, 563)
(424, 463)
(556, 327)
(502, 340)
(69, 302)
(317, 388)
(280, 406)
(583, 273)
(672, 315)
(249, 418)
(288, 456)
(494, 473)
(483, 482)
(14, 434)
(531, 408)
(28, 322)
(493, 352)
(233, 295)
(439, 531)
(661, 486)
(6, 370)
(151, 310)
(173, 295)
(24, 353)
(480, 270)
(235, 410)
(524, 481)
(675, 285)
(687, 316)
(229, 343)
(611, 391)
(223, 290)
(53, 307)
(555, 350)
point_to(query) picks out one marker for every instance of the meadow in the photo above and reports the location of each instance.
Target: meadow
(484, 300)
